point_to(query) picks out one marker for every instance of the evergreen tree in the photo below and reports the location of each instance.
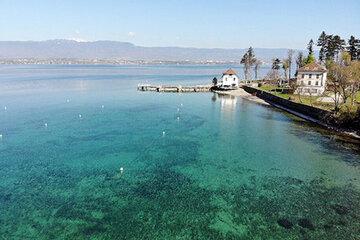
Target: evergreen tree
(334, 46)
(339, 45)
(274, 75)
(248, 60)
(310, 47)
(353, 48)
(215, 81)
(330, 48)
(310, 58)
(322, 43)
(276, 64)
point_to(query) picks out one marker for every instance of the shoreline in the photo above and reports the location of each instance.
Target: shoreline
(249, 96)
(243, 94)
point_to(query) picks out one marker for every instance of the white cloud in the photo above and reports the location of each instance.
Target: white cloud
(131, 34)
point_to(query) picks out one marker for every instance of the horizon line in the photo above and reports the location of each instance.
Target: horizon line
(169, 46)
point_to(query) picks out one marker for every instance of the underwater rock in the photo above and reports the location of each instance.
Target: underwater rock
(5, 197)
(306, 223)
(339, 209)
(341, 222)
(285, 223)
(328, 226)
(293, 181)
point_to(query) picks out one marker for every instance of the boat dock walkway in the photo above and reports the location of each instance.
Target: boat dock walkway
(173, 88)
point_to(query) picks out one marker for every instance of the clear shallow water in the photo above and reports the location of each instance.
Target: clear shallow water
(226, 168)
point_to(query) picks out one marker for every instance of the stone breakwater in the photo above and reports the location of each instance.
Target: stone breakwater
(179, 88)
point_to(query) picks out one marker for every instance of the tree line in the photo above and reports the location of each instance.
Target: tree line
(331, 46)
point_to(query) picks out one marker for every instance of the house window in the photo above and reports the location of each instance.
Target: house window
(309, 83)
(310, 75)
(234, 79)
(302, 75)
(317, 83)
(302, 82)
(313, 90)
(317, 76)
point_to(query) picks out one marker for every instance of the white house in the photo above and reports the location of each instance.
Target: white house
(229, 80)
(311, 79)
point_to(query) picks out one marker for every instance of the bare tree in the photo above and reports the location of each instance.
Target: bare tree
(256, 68)
(297, 87)
(299, 60)
(336, 83)
(290, 56)
(354, 82)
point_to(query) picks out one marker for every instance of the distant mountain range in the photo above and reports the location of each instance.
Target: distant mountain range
(123, 50)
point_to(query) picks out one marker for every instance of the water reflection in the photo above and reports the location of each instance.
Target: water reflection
(227, 102)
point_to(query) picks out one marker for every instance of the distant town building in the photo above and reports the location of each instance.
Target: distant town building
(311, 79)
(229, 80)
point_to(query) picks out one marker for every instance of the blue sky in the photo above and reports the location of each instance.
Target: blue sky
(190, 23)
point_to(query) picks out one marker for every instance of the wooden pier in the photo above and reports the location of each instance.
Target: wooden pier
(179, 88)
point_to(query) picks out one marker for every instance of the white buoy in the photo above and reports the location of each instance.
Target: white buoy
(46, 125)
(67, 100)
(178, 118)
(121, 170)
(163, 133)
(1, 136)
(178, 109)
(5, 108)
(80, 116)
(181, 104)
(102, 106)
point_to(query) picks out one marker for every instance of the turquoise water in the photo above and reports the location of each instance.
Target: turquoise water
(194, 166)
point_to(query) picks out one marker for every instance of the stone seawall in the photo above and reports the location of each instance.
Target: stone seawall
(308, 112)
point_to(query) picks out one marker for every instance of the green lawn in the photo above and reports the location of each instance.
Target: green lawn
(311, 101)
(272, 88)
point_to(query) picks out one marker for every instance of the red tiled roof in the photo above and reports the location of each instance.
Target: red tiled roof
(312, 67)
(229, 72)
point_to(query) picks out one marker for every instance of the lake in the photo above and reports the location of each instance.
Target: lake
(84, 155)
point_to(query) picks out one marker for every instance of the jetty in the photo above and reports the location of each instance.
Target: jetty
(173, 88)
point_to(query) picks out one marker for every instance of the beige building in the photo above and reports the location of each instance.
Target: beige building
(311, 79)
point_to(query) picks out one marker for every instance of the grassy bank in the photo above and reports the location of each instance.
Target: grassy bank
(348, 116)
(307, 100)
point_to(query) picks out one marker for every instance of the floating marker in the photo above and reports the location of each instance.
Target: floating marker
(1, 136)
(178, 109)
(178, 118)
(5, 108)
(163, 133)
(80, 116)
(46, 125)
(181, 104)
(121, 170)
(102, 106)
(67, 100)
